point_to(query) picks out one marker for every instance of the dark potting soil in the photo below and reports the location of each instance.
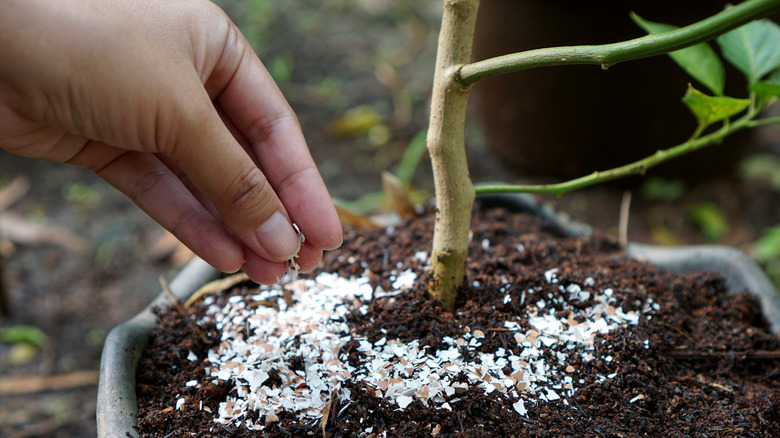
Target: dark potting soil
(704, 365)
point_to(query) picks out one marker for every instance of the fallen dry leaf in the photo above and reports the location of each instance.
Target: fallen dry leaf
(14, 191)
(356, 121)
(398, 196)
(352, 220)
(21, 230)
(17, 385)
(25, 231)
(326, 411)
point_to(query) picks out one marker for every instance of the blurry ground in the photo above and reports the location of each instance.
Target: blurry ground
(357, 72)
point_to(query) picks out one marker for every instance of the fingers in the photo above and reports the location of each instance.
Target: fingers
(264, 271)
(161, 194)
(261, 270)
(239, 191)
(256, 107)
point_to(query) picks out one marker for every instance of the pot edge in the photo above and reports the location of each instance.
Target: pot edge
(117, 406)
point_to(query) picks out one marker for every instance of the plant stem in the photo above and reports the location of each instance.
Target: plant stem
(762, 122)
(636, 168)
(607, 55)
(446, 146)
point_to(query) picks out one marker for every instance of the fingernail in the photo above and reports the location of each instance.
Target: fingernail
(278, 238)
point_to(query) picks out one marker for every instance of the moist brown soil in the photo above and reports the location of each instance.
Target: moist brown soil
(710, 368)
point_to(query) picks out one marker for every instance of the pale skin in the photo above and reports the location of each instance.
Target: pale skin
(166, 101)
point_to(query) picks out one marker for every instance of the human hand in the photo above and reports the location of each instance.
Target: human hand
(167, 102)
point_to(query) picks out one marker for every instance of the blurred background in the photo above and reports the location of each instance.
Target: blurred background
(79, 258)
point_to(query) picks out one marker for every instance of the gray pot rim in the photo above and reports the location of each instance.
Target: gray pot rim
(117, 406)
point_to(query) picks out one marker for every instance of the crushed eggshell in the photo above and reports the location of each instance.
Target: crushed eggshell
(260, 341)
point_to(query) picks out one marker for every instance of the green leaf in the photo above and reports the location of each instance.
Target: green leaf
(765, 90)
(761, 168)
(768, 89)
(660, 189)
(412, 156)
(700, 61)
(754, 48)
(710, 219)
(768, 245)
(281, 68)
(23, 334)
(711, 109)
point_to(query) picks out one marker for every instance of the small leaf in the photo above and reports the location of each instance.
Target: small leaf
(766, 90)
(412, 156)
(769, 88)
(761, 168)
(662, 235)
(96, 337)
(281, 68)
(710, 219)
(768, 245)
(660, 189)
(398, 196)
(754, 48)
(356, 121)
(709, 109)
(699, 61)
(88, 196)
(23, 334)
(21, 354)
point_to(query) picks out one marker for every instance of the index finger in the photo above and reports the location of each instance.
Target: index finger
(256, 107)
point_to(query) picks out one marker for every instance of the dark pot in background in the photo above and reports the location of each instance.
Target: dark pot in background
(117, 403)
(566, 122)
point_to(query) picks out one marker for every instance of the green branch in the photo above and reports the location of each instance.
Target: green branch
(762, 122)
(635, 168)
(607, 55)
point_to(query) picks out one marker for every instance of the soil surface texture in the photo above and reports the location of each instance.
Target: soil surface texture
(701, 363)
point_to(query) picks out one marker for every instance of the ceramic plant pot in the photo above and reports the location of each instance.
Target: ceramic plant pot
(117, 406)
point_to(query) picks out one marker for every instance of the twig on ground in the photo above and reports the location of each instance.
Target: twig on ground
(19, 385)
(14, 191)
(216, 286)
(625, 207)
(167, 291)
